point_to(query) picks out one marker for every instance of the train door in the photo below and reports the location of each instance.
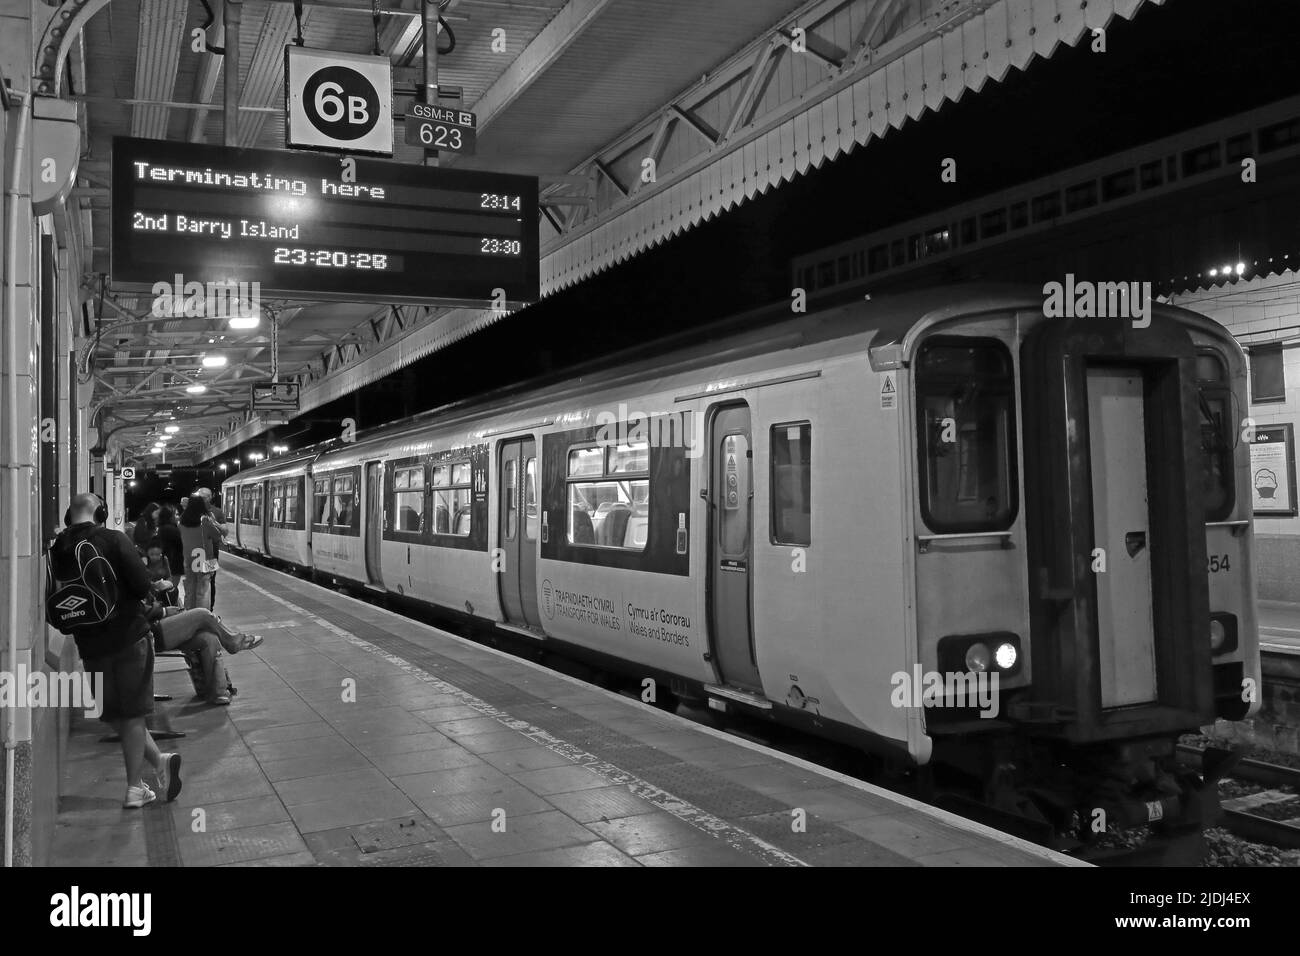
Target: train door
(1117, 439)
(517, 531)
(1115, 528)
(236, 512)
(264, 514)
(731, 546)
(374, 522)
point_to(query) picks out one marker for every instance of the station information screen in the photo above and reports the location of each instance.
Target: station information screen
(301, 228)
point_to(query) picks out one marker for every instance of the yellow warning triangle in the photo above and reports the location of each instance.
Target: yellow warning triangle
(888, 387)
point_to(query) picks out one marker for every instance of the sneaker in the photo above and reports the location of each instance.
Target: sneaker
(221, 700)
(169, 777)
(137, 797)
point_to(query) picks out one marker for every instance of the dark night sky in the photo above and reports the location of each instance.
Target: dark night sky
(1173, 67)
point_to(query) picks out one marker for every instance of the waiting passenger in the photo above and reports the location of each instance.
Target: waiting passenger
(201, 539)
(201, 637)
(169, 536)
(160, 573)
(117, 648)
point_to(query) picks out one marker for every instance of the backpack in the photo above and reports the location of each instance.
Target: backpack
(86, 601)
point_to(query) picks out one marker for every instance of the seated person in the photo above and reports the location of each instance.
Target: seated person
(200, 636)
(160, 571)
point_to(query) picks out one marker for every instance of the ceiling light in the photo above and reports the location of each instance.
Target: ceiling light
(172, 429)
(157, 449)
(197, 389)
(214, 361)
(245, 322)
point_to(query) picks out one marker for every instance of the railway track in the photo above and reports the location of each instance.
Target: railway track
(1269, 816)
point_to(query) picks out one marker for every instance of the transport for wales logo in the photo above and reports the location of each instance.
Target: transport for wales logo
(79, 689)
(954, 689)
(226, 299)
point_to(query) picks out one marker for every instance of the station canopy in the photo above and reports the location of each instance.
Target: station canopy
(575, 92)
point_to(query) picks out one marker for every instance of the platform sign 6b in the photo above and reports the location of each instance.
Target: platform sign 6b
(341, 102)
(441, 128)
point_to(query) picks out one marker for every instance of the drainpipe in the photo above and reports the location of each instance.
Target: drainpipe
(10, 465)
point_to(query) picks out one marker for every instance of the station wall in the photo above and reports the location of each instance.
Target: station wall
(1265, 312)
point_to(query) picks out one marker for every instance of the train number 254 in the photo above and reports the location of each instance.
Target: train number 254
(1218, 562)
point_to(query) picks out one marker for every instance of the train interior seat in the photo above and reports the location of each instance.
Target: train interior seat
(583, 532)
(408, 519)
(460, 523)
(614, 527)
(442, 520)
(638, 528)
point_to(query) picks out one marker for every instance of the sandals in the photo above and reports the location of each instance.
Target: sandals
(251, 641)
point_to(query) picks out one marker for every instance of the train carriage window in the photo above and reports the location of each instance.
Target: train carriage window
(344, 486)
(966, 417)
(452, 498)
(277, 502)
(791, 462)
(408, 498)
(1214, 398)
(321, 506)
(530, 499)
(293, 502)
(609, 496)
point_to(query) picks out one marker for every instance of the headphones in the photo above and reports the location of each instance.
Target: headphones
(100, 517)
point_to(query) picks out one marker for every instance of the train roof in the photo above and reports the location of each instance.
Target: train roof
(890, 320)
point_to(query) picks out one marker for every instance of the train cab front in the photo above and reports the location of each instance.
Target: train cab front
(1105, 545)
(1141, 591)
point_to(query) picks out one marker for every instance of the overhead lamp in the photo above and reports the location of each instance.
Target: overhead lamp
(1241, 268)
(157, 449)
(222, 467)
(196, 389)
(214, 361)
(245, 321)
(171, 429)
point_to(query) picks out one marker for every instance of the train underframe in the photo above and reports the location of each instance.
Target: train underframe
(1079, 798)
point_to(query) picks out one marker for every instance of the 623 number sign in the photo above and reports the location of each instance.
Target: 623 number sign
(448, 130)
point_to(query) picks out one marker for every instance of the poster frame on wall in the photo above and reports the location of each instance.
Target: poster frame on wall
(1287, 431)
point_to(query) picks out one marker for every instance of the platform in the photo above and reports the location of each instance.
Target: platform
(457, 754)
(1279, 627)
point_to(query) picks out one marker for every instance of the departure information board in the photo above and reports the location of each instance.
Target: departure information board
(305, 226)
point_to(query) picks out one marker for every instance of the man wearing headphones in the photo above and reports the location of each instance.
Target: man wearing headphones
(121, 649)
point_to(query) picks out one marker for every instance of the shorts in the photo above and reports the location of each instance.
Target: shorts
(127, 676)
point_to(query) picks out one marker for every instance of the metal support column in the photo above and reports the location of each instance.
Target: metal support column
(231, 13)
(430, 86)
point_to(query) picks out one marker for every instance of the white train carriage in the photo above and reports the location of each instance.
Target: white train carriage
(816, 520)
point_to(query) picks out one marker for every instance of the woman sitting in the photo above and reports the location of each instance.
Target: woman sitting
(201, 637)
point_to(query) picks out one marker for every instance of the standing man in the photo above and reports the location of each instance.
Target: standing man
(219, 519)
(119, 647)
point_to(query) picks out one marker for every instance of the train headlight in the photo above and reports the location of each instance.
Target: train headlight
(1005, 656)
(1223, 633)
(977, 658)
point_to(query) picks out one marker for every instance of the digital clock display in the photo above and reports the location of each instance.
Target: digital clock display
(307, 226)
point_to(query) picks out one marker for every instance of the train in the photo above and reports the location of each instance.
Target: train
(943, 527)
